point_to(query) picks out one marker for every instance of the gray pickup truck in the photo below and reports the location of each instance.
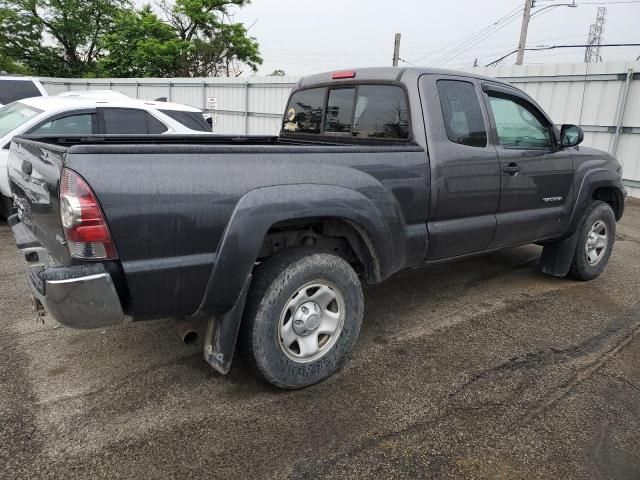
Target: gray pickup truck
(266, 240)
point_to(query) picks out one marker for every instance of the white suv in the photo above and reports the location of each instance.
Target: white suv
(14, 88)
(86, 115)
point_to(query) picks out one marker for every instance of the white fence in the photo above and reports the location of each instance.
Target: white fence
(603, 98)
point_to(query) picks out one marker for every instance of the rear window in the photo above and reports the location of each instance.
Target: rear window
(363, 111)
(13, 90)
(192, 120)
(304, 113)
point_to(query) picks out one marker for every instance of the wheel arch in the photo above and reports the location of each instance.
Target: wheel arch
(598, 184)
(260, 210)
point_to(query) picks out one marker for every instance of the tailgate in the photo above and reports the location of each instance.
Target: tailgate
(34, 177)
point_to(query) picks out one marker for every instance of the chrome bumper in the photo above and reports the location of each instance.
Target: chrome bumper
(78, 297)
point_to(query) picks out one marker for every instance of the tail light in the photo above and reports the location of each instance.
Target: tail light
(85, 228)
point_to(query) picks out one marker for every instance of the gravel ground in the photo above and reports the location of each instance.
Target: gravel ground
(483, 368)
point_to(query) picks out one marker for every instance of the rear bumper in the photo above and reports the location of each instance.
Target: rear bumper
(79, 297)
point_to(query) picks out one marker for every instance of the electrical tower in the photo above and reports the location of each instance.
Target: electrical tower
(592, 53)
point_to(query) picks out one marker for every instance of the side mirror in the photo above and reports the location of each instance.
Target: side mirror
(571, 135)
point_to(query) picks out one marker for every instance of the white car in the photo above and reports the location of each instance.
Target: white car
(14, 88)
(80, 115)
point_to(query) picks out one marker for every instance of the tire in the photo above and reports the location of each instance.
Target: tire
(283, 296)
(586, 264)
(6, 207)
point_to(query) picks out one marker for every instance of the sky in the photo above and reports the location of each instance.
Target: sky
(309, 36)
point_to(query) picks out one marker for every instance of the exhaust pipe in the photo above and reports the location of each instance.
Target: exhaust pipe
(187, 332)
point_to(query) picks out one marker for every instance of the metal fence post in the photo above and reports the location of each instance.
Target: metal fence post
(137, 89)
(246, 107)
(622, 105)
(170, 88)
(204, 95)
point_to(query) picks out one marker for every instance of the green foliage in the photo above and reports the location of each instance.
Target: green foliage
(83, 38)
(217, 45)
(277, 73)
(56, 37)
(141, 45)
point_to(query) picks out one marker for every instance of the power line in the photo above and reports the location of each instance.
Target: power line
(472, 42)
(554, 47)
(473, 36)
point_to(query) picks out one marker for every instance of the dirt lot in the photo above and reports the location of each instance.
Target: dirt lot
(479, 369)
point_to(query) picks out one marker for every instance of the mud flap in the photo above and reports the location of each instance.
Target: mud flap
(222, 334)
(557, 257)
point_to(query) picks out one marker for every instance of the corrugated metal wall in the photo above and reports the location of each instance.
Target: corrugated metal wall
(604, 98)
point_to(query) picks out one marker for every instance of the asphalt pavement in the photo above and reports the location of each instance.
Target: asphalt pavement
(484, 368)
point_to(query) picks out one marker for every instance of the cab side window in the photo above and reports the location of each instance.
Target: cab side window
(463, 120)
(69, 125)
(519, 125)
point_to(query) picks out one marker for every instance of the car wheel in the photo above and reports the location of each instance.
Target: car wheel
(302, 317)
(596, 236)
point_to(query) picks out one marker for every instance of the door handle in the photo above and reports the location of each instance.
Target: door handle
(512, 169)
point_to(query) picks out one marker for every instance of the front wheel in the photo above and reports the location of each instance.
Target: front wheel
(596, 236)
(302, 317)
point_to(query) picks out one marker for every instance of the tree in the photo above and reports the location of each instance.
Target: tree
(83, 38)
(56, 37)
(141, 45)
(277, 73)
(217, 45)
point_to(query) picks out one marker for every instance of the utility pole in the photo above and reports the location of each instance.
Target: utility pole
(396, 50)
(528, 4)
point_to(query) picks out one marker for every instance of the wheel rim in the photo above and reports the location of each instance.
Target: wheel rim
(311, 321)
(596, 243)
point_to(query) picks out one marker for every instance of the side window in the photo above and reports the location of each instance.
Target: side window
(463, 120)
(381, 112)
(12, 90)
(70, 125)
(154, 125)
(519, 124)
(304, 112)
(339, 110)
(124, 121)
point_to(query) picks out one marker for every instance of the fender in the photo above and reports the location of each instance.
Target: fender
(557, 257)
(255, 213)
(592, 180)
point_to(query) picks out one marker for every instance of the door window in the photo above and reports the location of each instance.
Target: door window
(519, 125)
(69, 125)
(463, 120)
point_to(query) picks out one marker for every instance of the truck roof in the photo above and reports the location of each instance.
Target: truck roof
(388, 74)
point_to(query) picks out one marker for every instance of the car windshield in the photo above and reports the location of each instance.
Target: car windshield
(14, 115)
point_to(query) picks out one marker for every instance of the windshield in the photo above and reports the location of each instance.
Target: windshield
(14, 115)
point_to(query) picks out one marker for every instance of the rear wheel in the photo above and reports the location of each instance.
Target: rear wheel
(596, 236)
(302, 317)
